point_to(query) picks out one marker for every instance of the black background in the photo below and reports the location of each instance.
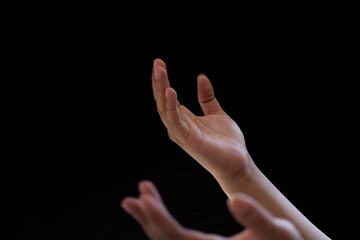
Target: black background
(84, 128)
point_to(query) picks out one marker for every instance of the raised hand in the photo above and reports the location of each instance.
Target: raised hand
(214, 140)
(217, 143)
(149, 210)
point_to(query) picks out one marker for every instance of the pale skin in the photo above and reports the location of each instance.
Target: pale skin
(150, 211)
(216, 142)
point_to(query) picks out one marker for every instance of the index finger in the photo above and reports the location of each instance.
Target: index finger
(160, 82)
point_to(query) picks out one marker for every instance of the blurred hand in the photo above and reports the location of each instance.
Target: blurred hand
(149, 210)
(214, 140)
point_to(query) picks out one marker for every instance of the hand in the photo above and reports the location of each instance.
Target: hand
(149, 210)
(214, 140)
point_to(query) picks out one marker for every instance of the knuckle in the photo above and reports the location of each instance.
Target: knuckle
(161, 114)
(172, 137)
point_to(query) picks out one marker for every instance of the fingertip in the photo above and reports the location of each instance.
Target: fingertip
(125, 201)
(240, 204)
(129, 204)
(147, 187)
(169, 92)
(159, 70)
(201, 76)
(203, 80)
(144, 182)
(206, 97)
(144, 185)
(171, 98)
(159, 62)
(251, 214)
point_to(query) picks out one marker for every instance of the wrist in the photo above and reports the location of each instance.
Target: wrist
(243, 179)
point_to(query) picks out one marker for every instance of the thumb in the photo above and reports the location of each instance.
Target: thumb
(206, 97)
(251, 214)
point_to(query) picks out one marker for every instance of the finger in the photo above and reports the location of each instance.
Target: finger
(157, 62)
(153, 83)
(136, 209)
(160, 84)
(197, 235)
(206, 97)
(249, 213)
(247, 234)
(163, 225)
(171, 107)
(160, 62)
(147, 187)
(174, 121)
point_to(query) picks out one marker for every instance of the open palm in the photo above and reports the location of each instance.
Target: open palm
(214, 140)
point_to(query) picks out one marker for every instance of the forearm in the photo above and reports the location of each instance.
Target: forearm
(256, 184)
(218, 144)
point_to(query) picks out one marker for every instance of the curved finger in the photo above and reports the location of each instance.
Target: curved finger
(147, 187)
(171, 107)
(249, 213)
(136, 209)
(163, 225)
(160, 62)
(174, 122)
(156, 63)
(206, 97)
(197, 235)
(160, 83)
